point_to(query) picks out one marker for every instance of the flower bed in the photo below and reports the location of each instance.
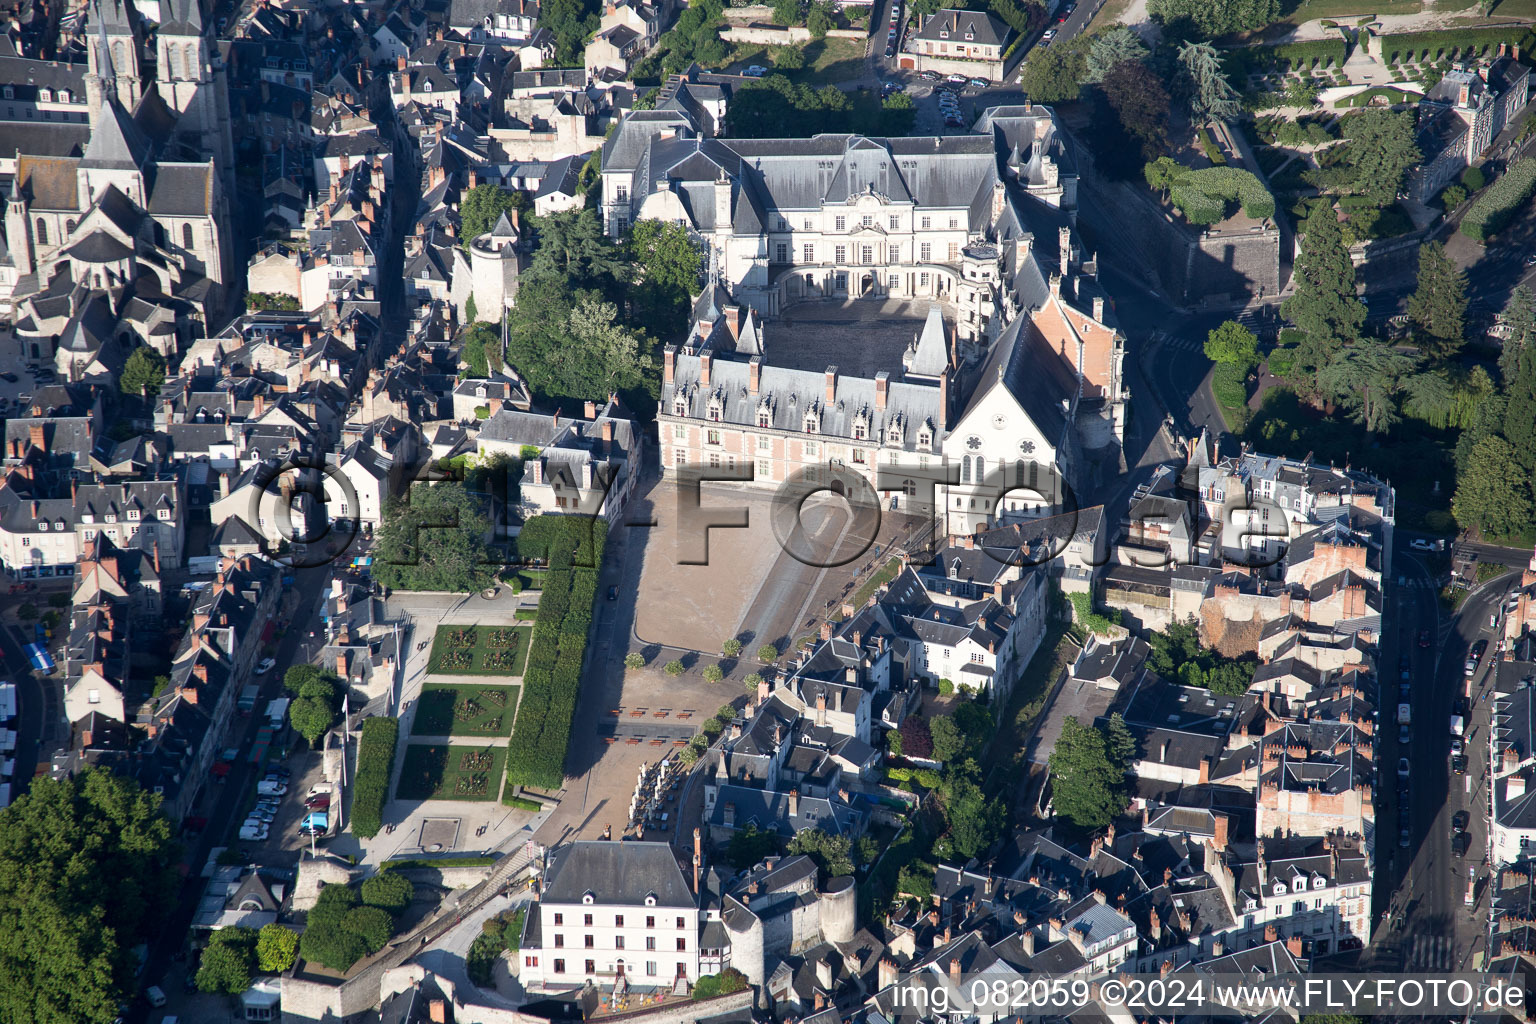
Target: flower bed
(469, 710)
(432, 771)
(479, 650)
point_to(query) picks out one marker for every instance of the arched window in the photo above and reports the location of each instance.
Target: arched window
(42, 231)
(965, 470)
(69, 227)
(186, 236)
(1018, 473)
(981, 469)
(120, 57)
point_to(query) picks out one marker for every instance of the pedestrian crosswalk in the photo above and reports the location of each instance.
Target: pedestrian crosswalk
(1176, 342)
(1431, 953)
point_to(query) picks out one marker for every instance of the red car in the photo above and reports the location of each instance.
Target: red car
(1423, 638)
(318, 803)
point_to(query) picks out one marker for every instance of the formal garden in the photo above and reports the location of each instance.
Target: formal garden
(444, 710)
(479, 650)
(432, 771)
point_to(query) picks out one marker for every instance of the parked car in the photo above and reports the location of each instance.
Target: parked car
(1402, 767)
(613, 593)
(9, 378)
(260, 814)
(1460, 820)
(1423, 638)
(956, 79)
(265, 665)
(1420, 544)
(1461, 842)
(1470, 668)
(930, 76)
(1459, 764)
(1404, 839)
(1402, 735)
(1457, 745)
(1049, 34)
(318, 803)
(271, 787)
(253, 832)
(755, 71)
(981, 83)
(155, 995)
(890, 51)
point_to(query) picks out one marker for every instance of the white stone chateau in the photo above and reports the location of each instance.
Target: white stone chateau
(1023, 373)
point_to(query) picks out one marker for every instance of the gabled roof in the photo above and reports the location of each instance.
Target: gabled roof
(624, 874)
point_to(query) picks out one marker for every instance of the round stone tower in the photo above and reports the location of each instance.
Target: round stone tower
(493, 259)
(839, 910)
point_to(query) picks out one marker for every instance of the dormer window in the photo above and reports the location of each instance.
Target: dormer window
(1298, 885)
(42, 524)
(1250, 904)
(111, 517)
(64, 96)
(588, 898)
(969, 36)
(650, 899)
(88, 518)
(860, 429)
(133, 515)
(1319, 882)
(943, 35)
(924, 439)
(812, 422)
(45, 95)
(893, 434)
(479, 390)
(763, 418)
(164, 514)
(680, 406)
(716, 409)
(1279, 888)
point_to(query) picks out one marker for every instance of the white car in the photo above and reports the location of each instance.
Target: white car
(271, 787)
(265, 665)
(253, 832)
(1402, 767)
(1050, 34)
(1457, 747)
(1420, 544)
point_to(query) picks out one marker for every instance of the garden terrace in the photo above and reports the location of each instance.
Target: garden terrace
(464, 710)
(432, 771)
(479, 650)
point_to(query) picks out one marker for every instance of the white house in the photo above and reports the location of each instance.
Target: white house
(607, 910)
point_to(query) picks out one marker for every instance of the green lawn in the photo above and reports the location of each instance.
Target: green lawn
(464, 710)
(434, 772)
(827, 61)
(479, 650)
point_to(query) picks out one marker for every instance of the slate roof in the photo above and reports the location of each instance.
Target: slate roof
(965, 26)
(116, 143)
(617, 874)
(183, 190)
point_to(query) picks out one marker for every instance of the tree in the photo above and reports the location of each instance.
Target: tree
(572, 345)
(725, 983)
(1234, 344)
(373, 925)
(898, 113)
(750, 845)
(1119, 744)
(975, 822)
(310, 718)
(1368, 377)
(926, 8)
(388, 890)
(1301, 92)
(1054, 74)
(634, 659)
(916, 738)
(669, 264)
(301, 677)
(1211, 95)
(832, 854)
(276, 948)
(1490, 497)
(787, 58)
(143, 373)
(1381, 149)
(1210, 18)
(482, 206)
(786, 12)
(1086, 787)
(1140, 103)
(1161, 175)
(433, 539)
(573, 246)
(1323, 306)
(1519, 323)
(571, 22)
(227, 961)
(674, 668)
(819, 21)
(713, 673)
(768, 653)
(1438, 306)
(480, 351)
(948, 739)
(751, 681)
(1520, 410)
(86, 869)
(1109, 49)
(731, 648)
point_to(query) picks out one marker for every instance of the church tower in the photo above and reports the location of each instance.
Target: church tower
(188, 81)
(112, 58)
(18, 233)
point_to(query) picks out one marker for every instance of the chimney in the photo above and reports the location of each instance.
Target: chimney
(824, 972)
(754, 374)
(882, 389)
(341, 664)
(763, 691)
(399, 63)
(954, 970)
(157, 557)
(831, 384)
(35, 437)
(1028, 942)
(1219, 840)
(608, 431)
(1218, 948)
(1064, 243)
(200, 670)
(888, 973)
(1271, 933)
(437, 1009)
(1205, 770)
(704, 361)
(733, 321)
(1293, 944)
(589, 410)
(794, 802)
(668, 363)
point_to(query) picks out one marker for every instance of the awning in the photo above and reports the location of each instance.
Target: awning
(39, 656)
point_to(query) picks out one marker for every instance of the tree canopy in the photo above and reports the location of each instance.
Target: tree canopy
(143, 373)
(228, 961)
(669, 264)
(480, 351)
(1323, 306)
(388, 890)
(1211, 95)
(1438, 306)
(483, 205)
(916, 739)
(1489, 496)
(277, 948)
(1233, 343)
(1054, 74)
(1369, 377)
(975, 822)
(1087, 789)
(1380, 152)
(434, 539)
(340, 932)
(832, 854)
(571, 22)
(1206, 19)
(86, 870)
(1110, 48)
(1519, 322)
(1178, 655)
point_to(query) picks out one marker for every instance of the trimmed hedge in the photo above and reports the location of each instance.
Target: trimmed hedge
(1463, 43)
(1203, 195)
(1288, 57)
(375, 758)
(409, 863)
(1497, 206)
(522, 803)
(1230, 385)
(573, 546)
